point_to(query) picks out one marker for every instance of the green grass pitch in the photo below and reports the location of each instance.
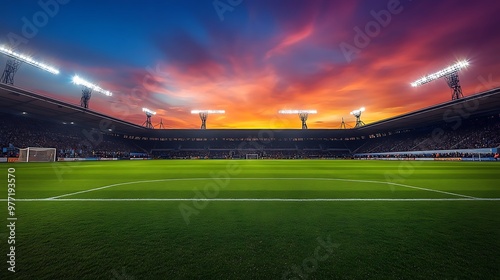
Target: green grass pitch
(254, 219)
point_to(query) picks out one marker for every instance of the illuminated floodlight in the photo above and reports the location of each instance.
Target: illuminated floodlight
(204, 115)
(441, 73)
(292, 112)
(29, 60)
(87, 89)
(79, 81)
(303, 115)
(147, 111)
(450, 73)
(208, 111)
(357, 114)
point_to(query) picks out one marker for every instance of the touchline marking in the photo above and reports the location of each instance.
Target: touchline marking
(253, 199)
(310, 179)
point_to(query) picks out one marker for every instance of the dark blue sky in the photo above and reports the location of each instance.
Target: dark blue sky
(255, 58)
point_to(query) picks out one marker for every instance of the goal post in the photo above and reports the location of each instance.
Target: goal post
(252, 156)
(35, 154)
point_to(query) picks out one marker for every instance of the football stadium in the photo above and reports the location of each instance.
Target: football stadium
(100, 184)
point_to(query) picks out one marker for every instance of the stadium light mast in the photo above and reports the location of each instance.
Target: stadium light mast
(204, 115)
(149, 114)
(357, 114)
(303, 115)
(14, 62)
(450, 74)
(160, 125)
(342, 124)
(10, 70)
(87, 89)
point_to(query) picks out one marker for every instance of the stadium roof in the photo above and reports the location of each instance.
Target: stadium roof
(15, 100)
(487, 102)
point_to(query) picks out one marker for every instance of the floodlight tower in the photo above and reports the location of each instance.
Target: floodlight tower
(342, 124)
(450, 74)
(10, 70)
(86, 94)
(303, 115)
(160, 125)
(14, 62)
(87, 89)
(357, 114)
(204, 115)
(149, 114)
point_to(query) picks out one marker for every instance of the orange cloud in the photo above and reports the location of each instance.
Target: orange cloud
(291, 40)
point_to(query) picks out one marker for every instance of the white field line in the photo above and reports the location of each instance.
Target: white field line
(310, 179)
(253, 199)
(373, 182)
(127, 183)
(432, 190)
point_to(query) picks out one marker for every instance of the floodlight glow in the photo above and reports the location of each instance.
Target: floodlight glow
(79, 81)
(147, 111)
(208, 111)
(297, 111)
(441, 73)
(28, 60)
(358, 112)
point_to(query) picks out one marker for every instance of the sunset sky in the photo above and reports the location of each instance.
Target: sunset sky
(254, 57)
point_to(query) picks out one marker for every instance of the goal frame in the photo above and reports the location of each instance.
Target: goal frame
(248, 156)
(30, 150)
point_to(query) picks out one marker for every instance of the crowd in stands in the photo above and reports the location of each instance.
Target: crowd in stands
(471, 134)
(436, 155)
(239, 148)
(69, 140)
(242, 154)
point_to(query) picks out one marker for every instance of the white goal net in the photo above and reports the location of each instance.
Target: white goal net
(252, 156)
(33, 154)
